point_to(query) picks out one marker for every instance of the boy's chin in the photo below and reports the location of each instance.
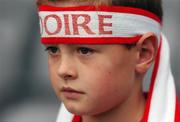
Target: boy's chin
(77, 110)
(74, 109)
(82, 111)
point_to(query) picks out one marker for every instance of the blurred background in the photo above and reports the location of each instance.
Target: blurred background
(25, 90)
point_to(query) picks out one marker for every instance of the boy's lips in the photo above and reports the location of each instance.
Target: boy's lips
(69, 89)
(71, 93)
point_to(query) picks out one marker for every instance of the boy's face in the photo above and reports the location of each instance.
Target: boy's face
(91, 79)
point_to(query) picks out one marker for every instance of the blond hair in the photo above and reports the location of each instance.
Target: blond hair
(94, 2)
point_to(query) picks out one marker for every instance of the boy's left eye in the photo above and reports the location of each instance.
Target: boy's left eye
(52, 50)
(85, 50)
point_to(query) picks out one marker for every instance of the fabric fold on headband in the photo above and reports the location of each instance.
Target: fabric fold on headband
(162, 103)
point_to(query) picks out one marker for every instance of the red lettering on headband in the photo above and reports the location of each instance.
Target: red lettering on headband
(41, 25)
(102, 24)
(66, 24)
(79, 21)
(59, 24)
(84, 25)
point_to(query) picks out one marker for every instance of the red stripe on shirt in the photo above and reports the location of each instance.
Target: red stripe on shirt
(76, 118)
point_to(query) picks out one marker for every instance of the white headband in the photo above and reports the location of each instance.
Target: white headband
(95, 24)
(102, 26)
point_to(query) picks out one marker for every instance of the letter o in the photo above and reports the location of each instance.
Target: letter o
(59, 24)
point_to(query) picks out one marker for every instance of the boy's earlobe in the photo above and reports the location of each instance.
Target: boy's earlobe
(147, 48)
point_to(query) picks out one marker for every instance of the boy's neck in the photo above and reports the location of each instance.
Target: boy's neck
(131, 110)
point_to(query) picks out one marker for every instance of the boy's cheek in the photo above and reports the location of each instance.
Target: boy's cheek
(53, 78)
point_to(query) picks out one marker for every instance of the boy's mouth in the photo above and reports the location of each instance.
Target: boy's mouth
(71, 93)
(69, 89)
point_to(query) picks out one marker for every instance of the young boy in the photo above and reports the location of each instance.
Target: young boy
(99, 52)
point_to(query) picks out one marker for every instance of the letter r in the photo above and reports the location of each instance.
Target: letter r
(83, 24)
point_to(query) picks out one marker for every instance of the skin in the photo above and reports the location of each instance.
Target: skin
(109, 77)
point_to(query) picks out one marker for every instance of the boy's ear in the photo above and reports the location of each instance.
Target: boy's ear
(146, 48)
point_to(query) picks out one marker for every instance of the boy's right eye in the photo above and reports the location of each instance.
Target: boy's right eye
(52, 50)
(85, 51)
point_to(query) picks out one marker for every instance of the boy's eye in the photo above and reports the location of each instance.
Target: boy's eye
(85, 50)
(52, 50)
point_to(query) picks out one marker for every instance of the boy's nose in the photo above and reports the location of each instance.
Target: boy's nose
(67, 70)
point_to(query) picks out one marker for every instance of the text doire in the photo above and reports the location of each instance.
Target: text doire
(70, 24)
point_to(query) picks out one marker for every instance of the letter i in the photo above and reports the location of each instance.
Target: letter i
(66, 23)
